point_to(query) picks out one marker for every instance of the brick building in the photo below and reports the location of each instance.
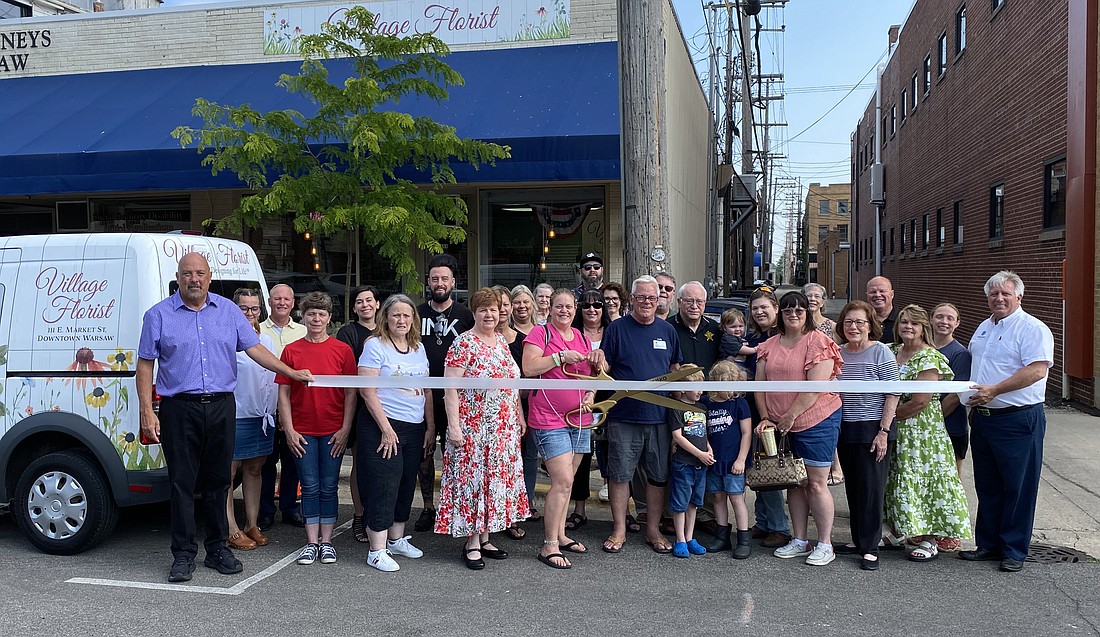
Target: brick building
(87, 147)
(828, 224)
(973, 130)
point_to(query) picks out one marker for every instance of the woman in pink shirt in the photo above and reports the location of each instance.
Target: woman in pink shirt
(812, 420)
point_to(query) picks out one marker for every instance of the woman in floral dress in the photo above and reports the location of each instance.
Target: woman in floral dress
(925, 500)
(482, 488)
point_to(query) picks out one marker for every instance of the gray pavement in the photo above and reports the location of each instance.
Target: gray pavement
(635, 592)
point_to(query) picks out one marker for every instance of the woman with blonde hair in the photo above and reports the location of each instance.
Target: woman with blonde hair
(925, 500)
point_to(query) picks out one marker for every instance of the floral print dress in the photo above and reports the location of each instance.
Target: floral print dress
(924, 495)
(482, 482)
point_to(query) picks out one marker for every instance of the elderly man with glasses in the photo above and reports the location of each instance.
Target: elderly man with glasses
(699, 335)
(591, 274)
(639, 347)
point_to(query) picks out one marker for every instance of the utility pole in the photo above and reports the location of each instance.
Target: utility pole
(729, 269)
(747, 230)
(642, 104)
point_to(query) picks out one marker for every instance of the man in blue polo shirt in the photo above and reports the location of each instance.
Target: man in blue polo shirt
(639, 347)
(196, 336)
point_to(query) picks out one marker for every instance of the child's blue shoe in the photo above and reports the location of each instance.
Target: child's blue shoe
(695, 548)
(680, 549)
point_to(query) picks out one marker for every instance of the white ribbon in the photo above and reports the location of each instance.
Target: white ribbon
(815, 386)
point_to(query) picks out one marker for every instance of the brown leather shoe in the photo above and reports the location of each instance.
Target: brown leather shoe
(257, 536)
(758, 533)
(775, 539)
(241, 542)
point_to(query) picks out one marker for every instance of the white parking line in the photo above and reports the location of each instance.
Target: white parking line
(236, 589)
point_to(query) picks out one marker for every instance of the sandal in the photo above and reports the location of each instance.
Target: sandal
(948, 544)
(891, 541)
(632, 524)
(661, 546)
(549, 561)
(515, 533)
(575, 521)
(925, 552)
(358, 529)
(834, 481)
(569, 547)
(534, 515)
(614, 544)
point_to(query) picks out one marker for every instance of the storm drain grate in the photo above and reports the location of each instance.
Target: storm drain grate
(1046, 554)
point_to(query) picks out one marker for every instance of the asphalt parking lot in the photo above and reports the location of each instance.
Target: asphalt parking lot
(119, 588)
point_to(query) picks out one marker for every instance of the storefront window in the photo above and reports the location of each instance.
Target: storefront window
(536, 236)
(155, 214)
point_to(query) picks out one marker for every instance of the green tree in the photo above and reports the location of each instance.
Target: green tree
(335, 169)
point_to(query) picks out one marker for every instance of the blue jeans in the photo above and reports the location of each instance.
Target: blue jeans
(319, 474)
(771, 514)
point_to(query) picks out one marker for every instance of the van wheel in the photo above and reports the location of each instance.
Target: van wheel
(62, 503)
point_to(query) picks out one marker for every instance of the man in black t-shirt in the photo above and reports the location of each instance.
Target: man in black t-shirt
(441, 321)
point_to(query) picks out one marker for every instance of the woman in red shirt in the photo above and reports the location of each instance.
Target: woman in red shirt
(316, 421)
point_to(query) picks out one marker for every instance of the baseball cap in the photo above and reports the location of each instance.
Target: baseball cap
(590, 256)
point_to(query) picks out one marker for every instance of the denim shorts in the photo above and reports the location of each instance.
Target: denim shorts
(732, 483)
(688, 486)
(555, 442)
(817, 444)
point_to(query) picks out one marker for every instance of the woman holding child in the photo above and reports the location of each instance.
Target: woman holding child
(549, 352)
(811, 419)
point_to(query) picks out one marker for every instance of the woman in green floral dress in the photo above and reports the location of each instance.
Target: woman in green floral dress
(925, 500)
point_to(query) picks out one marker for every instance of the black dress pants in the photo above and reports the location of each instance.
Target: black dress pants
(865, 486)
(197, 439)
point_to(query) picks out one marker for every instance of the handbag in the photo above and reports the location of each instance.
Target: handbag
(772, 473)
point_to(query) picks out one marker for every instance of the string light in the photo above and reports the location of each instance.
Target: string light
(552, 234)
(306, 236)
(546, 249)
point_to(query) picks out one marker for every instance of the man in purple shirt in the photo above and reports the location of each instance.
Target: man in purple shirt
(196, 336)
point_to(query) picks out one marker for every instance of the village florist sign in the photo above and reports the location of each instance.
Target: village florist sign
(454, 22)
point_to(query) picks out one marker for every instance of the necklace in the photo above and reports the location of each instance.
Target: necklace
(398, 349)
(441, 321)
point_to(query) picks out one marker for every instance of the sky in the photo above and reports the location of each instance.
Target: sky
(828, 53)
(827, 48)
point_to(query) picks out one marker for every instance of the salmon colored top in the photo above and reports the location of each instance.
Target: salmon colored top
(792, 363)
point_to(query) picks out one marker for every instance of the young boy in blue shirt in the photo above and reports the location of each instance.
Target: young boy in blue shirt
(729, 428)
(690, 458)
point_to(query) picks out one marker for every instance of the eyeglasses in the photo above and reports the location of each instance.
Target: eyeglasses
(641, 298)
(793, 310)
(610, 299)
(250, 309)
(855, 322)
(588, 306)
(591, 266)
(692, 302)
(666, 288)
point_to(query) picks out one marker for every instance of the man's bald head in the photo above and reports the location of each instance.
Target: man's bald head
(880, 294)
(193, 277)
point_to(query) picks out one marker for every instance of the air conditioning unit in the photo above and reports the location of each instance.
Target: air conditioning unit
(878, 186)
(72, 216)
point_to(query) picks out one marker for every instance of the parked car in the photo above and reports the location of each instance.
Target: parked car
(716, 306)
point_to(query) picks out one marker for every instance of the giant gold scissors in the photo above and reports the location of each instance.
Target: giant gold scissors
(599, 410)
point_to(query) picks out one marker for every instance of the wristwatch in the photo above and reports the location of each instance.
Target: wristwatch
(884, 430)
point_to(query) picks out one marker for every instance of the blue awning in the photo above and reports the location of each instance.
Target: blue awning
(556, 106)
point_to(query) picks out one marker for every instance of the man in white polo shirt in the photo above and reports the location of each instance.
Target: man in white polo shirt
(1012, 352)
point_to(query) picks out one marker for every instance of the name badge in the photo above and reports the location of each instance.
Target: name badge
(659, 343)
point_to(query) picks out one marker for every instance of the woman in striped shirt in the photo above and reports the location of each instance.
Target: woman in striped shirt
(866, 435)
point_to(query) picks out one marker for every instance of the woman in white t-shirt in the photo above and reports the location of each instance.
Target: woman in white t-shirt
(394, 430)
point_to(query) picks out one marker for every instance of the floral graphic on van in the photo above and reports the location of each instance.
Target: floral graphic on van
(122, 359)
(97, 398)
(86, 362)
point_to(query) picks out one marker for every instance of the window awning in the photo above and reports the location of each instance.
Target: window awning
(556, 106)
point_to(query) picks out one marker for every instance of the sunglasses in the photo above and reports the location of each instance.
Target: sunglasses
(592, 266)
(666, 288)
(595, 304)
(793, 310)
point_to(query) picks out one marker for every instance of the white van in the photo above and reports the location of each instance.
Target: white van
(71, 306)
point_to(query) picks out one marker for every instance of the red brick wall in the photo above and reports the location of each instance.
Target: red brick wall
(998, 114)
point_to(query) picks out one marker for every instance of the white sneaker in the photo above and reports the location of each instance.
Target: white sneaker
(794, 548)
(382, 561)
(821, 555)
(604, 497)
(402, 547)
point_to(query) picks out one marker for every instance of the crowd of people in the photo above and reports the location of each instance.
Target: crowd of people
(898, 457)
